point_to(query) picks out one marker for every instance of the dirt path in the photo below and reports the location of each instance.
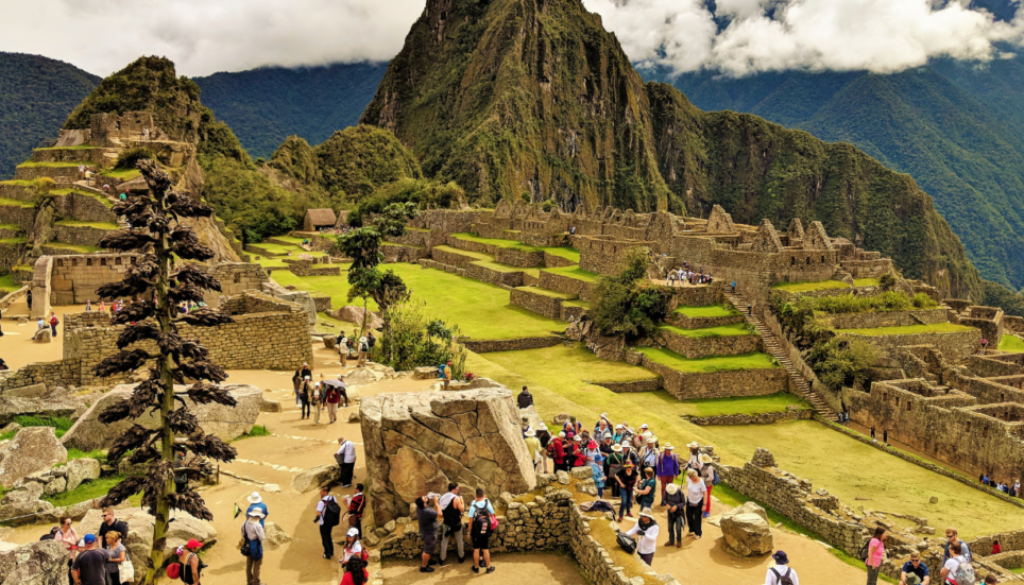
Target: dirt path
(511, 568)
(16, 346)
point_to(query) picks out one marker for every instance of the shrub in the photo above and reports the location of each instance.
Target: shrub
(625, 305)
(130, 156)
(841, 361)
(416, 340)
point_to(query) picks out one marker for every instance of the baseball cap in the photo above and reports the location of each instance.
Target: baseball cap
(90, 538)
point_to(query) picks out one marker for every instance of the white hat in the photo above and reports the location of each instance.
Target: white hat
(647, 512)
(626, 445)
(617, 427)
(531, 433)
(668, 447)
(694, 445)
(577, 438)
(617, 448)
(672, 489)
(255, 513)
(352, 532)
(561, 433)
(254, 498)
(647, 434)
(604, 415)
(644, 426)
(652, 440)
(542, 427)
(704, 459)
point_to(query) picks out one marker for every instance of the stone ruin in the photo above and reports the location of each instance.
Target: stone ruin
(418, 443)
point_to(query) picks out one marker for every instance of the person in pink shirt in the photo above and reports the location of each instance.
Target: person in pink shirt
(67, 536)
(876, 550)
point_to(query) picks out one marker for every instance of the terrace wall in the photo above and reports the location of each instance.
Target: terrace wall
(520, 258)
(698, 347)
(540, 303)
(452, 258)
(686, 386)
(492, 345)
(76, 277)
(685, 322)
(888, 319)
(567, 285)
(955, 345)
(764, 418)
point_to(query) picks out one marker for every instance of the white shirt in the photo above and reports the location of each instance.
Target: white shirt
(446, 499)
(646, 544)
(695, 490)
(772, 579)
(362, 341)
(355, 551)
(320, 508)
(952, 565)
(348, 449)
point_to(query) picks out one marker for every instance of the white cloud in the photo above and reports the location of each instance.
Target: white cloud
(206, 36)
(876, 35)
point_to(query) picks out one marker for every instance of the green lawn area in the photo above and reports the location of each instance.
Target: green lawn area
(7, 284)
(715, 310)
(17, 183)
(7, 202)
(87, 491)
(267, 262)
(574, 272)
(571, 254)
(93, 224)
(10, 227)
(1011, 343)
(865, 282)
(481, 310)
(79, 147)
(1018, 570)
(744, 404)
(546, 292)
(477, 255)
(121, 174)
(95, 196)
(495, 242)
(15, 241)
(733, 330)
(907, 330)
(504, 267)
(289, 239)
(725, 363)
(809, 286)
(33, 164)
(79, 248)
(577, 303)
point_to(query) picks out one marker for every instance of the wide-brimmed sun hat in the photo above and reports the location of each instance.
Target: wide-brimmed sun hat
(254, 498)
(672, 488)
(668, 447)
(531, 433)
(694, 445)
(646, 512)
(704, 459)
(780, 558)
(255, 513)
(617, 448)
(652, 440)
(577, 438)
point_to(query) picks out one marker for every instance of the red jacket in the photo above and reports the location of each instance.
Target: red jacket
(557, 450)
(347, 579)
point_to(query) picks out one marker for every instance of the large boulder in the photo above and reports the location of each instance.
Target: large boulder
(80, 470)
(314, 477)
(275, 536)
(139, 543)
(15, 406)
(42, 335)
(24, 511)
(32, 450)
(416, 443)
(226, 422)
(363, 376)
(39, 563)
(353, 314)
(746, 530)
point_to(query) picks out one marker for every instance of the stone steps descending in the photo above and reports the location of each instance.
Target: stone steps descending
(774, 348)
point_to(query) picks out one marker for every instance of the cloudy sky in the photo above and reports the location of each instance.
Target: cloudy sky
(206, 36)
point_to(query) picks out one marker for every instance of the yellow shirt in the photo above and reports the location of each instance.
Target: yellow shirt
(533, 444)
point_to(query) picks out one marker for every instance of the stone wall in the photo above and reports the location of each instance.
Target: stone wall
(23, 217)
(537, 302)
(888, 319)
(630, 386)
(76, 277)
(451, 258)
(684, 322)
(63, 373)
(309, 268)
(553, 261)
(81, 235)
(994, 365)
(567, 285)
(92, 318)
(235, 277)
(698, 347)
(40, 287)
(492, 276)
(520, 258)
(399, 253)
(764, 418)
(686, 386)
(955, 345)
(492, 345)
(700, 295)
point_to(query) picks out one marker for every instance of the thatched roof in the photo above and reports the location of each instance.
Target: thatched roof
(321, 217)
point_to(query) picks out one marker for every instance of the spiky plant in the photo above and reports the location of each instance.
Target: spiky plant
(158, 234)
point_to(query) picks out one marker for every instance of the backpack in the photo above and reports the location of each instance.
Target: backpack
(964, 573)
(626, 542)
(252, 548)
(174, 570)
(186, 570)
(862, 554)
(332, 512)
(451, 515)
(51, 534)
(783, 579)
(716, 480)
(363, 347)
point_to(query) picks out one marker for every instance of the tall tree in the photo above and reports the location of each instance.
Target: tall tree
(159, 235)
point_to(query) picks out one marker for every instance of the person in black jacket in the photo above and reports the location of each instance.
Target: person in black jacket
(110, 523)
(525, 399)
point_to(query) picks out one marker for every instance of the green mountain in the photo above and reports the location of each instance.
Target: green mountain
(268, 104)
(533, 96)
(36, 95)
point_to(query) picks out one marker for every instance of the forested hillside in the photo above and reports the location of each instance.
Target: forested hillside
(36, 96)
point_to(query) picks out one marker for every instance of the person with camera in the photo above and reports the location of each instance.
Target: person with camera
(646, 531)
(428, 510)
(452, 509)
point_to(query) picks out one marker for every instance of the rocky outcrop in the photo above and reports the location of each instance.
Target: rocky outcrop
(39, 563)
(746, 530)
(32, 450)
(139, 543)
(225, 422)
(81, 470)
(354, 314)
(35, 400)
(417, 443)
(315, 477)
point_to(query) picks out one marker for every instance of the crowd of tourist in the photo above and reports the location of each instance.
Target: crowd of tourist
(683, 276)
(1004, 487)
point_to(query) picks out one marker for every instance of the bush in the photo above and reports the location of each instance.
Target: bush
(412, 339)
(625, 305)
(841, 361)
(130, 156)
(423, 192)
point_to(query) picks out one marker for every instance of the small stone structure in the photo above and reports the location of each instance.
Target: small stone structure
(317, 219)
(417, 443)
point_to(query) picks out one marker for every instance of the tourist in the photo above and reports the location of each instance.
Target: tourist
(696, 491)
(545, 440)
(646, 489)
(1016, 489)
(605, 448)
(342, 342)
(116, 553)
(53, 324)
(629, 454)
(914, 571)
(597, 472)
(533, 446)
(667, 469)
(317, 400)
(253, 536)
(579, 457)
(180, 472)
(297, 384)
(427, 512)
(952, 537)
(876, 551)
(346, 458)
(332, 397)
(188, 556)
(452, 509)
(649, 455)
(734, 287)
(481, 527)
(81, 172)
(90, 566)
(707, 473)
(524, 425)
(3, 365)
(951, 565)
(364, 348)
(342, 387)
(675, 500)
(352, 548)
(67, 536)
(603, 429)
(885, 437)
(111, 523)
(256, 503)
(776, 575)
(304, 405)
(619, 434)
(325, 525)
(355, 572)
(639, 440)
(370, 342)
(447, 374)
(525, 399)
(356, 507)
(670, 279)
(123, 196)
(647, 530)
(626, 478)
(572, 427)
(28, 299)
(873, 439)
(694, 461)
(556, 450)
(480, 503)
(615, 463)
(88, 305)
(41, 323)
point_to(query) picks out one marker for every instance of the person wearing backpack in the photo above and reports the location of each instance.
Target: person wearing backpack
(90, 566)
(364, 348)
(328, 515)
(957, 570)
(914, 571)
(668, 469)
(191, 566)
(110, 522)
(953, 537)
(875, 554)
(781, 573)
(452, 509)
(710, 476)
(252, 545)
(428, 510)
(482, 523)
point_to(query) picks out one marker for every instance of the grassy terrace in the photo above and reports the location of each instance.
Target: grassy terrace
(744, 404)
(1011, 343)
(808, 286)
(10, 227)
(726, 363)
(570, 254)
(499, 243)
(716, 310)
(79, 147)
(77, 248)
(121, 174)
(534, 272)
(97, 197)
(733, 330)
(477, 255)
(51, 165)
(289, 239)
(865, 282)
(548, 293)
(102, 225)
(574, 272)
(281, 249)
(907, 330)
(4, 201)
(577, 303)
(15, 241)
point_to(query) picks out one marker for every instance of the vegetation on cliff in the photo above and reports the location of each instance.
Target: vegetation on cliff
(354, 162)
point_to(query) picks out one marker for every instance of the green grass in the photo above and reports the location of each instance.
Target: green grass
(865, 282)
(499, 243)
(79, 248)
(744, 404)
(93, 224)
(97, 454)
(907, 330)
(8, 435)
(478, 255)
(715, 310)
(481, 310)
(87, 491)
(79, 147)
(733, 330)
(121, 174)
(7, 284)
(571, 254)
(576, 303)
(1011, 343)
(7, 202)
(548, 293)
(10, 227)
(1018, 570)
(33, 164)
(17, 183)
(15, 241)
(574, 272)
(60, 425)
(256, 431)
(289, 239)
(808, 286)
(95, 196)
(500, 267)
(724, 363)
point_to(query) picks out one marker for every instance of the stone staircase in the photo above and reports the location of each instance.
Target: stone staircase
(774, 348)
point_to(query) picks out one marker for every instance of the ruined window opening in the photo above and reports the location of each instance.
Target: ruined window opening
(88, 261)
(909, 404)
(808, 262)
(133, 259)
(74, 261)
(117, 261)
(1002, 397)
(238, 278)
(984, 432)
(103, 261)
(897, 401)
(117, 125)
(792, 261)
(60, 262)
(968, 428)
(822, 259)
